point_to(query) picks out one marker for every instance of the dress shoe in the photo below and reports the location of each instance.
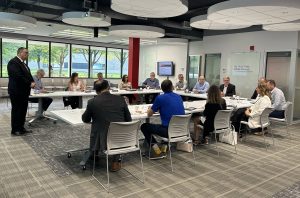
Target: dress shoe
(26, 131)
(18, 133)
(115, 166)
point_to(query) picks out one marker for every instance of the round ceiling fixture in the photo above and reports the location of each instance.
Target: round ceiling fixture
(86, 19)
(136, 31)
(254, 12)
(151, 9)
(10, 22)
(290, 26)
(201, 22)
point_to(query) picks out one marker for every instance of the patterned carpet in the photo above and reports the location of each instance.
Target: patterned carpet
(36, 165)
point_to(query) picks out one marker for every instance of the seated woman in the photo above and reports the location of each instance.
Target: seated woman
(213, 104)
(252, 114)
(75, 85)
(125, 85)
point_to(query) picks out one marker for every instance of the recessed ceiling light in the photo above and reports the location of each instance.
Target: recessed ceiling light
(72, 33)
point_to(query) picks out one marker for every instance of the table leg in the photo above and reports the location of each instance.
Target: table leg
(80, 102)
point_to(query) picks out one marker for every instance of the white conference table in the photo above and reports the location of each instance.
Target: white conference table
(191, 94)
(73, 116)
(138, 112)
(80, 94)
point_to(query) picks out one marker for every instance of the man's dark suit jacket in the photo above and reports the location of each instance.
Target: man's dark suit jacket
(102, 110)
(230, 89)
(20, 78)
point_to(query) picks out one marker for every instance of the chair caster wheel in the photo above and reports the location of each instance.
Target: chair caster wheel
(69, 155)
(83, 167)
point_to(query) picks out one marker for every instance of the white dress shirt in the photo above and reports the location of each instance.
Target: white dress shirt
(278, 99)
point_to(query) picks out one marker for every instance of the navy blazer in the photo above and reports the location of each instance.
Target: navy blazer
(230, 89)
(20, 78)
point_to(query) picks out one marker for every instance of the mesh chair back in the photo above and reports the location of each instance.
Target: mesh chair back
(179, 126)
(222, 119)
(288, 112)
(264, 117)
(123, 135)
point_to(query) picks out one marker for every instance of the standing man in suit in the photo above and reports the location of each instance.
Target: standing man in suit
(101, 110)
(19, 85)
(227, 88)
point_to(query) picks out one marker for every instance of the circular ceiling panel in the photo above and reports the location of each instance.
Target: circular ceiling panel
(201, 22)
(136, 31)
(254, 12)
(15, 22)
(291, 26)
(86, 19)
(151, 9)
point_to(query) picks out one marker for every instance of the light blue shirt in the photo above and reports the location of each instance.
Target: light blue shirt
(38, 83)
(278, 99)
(151, 83)
(202, 88)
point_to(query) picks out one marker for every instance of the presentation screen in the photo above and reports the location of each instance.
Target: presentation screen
(165, 68)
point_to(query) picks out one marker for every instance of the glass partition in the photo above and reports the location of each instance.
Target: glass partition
(9, 51)
(38, 56)
(243, 70)
(80, 60)
(212, 68)
(60, 60)
(278, 69)
(194, 69)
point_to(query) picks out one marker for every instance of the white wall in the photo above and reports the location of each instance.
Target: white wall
(151, 54)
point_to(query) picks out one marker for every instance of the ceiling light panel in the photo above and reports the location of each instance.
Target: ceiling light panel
(86, 19)
(72, 34)
(291, 26)
(151, 9)
(10, 22)
(254, 12)
(201, 22)
(136, 31)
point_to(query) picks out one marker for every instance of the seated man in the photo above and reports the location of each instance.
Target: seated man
(278, 100)
(181, 84)
(168, 104)
(261, 80)
(101, 110)
(39, 86)
(227, 89)
(152, 83)
(100, 79)
(201, 86)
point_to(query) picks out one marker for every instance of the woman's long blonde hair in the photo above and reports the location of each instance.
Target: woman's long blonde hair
(263, 89)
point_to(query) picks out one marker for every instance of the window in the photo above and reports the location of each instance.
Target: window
(60, 56)
(125, 62)
(113, 63)
(98, 61)
(194, 70)
(212, 68)
(38, 56)
(9, 51)
(80, 60)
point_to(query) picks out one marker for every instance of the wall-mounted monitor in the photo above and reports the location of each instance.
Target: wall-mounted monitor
(165, 68)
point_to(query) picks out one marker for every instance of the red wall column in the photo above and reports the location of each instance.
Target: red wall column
(133, 61)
